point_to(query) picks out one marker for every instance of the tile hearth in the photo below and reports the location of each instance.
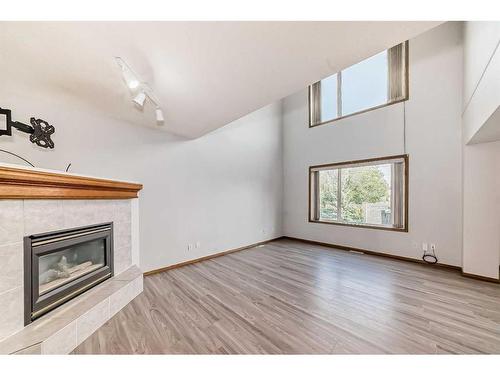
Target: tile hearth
(62, 330)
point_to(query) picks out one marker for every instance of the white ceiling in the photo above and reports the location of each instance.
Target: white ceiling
(205, 74)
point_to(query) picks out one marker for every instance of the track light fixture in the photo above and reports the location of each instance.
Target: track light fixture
(140, 99)
(159, 116)
(142, 89)
(131, 82)
(130, 78)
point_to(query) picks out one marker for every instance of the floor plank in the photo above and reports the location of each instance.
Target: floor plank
(289, 297)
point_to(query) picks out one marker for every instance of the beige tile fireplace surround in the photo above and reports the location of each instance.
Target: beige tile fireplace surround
(61, 330)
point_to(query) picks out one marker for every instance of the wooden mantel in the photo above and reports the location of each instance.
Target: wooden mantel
(18, 183)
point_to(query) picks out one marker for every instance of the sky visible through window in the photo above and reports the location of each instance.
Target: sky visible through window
(364, 86)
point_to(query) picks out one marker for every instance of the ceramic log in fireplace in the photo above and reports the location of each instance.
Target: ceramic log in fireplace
(61, 265)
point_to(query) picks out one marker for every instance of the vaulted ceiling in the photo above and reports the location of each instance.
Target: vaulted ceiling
(205, 74)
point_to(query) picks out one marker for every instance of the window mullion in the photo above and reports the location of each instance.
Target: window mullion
(394, 204)
(315, 103)
(316, 196)
(339, 195)
(339, 94)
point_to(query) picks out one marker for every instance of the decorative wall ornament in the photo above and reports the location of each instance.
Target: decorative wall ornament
(40, 130)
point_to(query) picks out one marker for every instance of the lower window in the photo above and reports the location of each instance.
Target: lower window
(369, 193)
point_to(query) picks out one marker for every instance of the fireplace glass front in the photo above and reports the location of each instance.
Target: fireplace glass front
(61, 265)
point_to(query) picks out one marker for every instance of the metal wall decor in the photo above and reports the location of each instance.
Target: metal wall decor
(39, 130)
(5, 113)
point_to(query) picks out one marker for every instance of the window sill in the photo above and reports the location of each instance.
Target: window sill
(365, 226)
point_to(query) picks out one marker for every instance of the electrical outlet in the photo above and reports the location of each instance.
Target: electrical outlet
(198, 244)
(190, 246)
(424, 246)
(414, 245)
(433, 246)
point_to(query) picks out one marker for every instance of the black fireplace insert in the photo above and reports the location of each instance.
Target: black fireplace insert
(61, 265)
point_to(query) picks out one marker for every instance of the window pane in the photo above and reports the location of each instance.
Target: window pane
(328, 189)
(364, 85)
(329, 98)
(366, 194)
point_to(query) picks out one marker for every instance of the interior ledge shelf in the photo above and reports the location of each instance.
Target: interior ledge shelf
(20, 183)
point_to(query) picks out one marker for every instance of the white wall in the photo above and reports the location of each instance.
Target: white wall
(223, 190)
(433, 139)
(481, 251)
(481, 82)
(481, 181)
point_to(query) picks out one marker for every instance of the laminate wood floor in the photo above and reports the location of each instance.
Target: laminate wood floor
(289, 297)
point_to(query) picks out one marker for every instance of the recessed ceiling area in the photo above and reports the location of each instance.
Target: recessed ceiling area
(205, 74)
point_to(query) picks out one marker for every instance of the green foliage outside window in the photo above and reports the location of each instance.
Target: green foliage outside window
(359, 185)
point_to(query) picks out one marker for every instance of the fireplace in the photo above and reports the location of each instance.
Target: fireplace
(59, 266)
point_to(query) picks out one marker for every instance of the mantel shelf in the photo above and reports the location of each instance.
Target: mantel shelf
(19, 183)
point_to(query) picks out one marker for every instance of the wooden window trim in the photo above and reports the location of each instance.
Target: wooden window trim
(405, 227)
